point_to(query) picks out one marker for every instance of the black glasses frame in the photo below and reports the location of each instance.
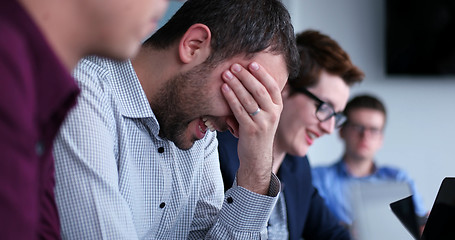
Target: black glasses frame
(339, 116)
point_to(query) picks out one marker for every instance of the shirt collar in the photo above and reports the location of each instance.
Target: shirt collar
(128, 90)
(343, 169)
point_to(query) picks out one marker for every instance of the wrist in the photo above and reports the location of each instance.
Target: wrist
(257, 181)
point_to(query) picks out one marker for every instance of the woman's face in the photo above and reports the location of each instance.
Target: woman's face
(299, 127)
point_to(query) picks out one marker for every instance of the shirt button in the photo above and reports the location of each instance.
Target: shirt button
(161, 149)
(39, 148)
(229, 200)
(162, 205)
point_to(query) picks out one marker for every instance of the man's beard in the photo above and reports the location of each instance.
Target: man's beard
(179, 102)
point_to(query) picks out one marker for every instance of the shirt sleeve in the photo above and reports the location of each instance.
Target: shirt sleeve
(87, 191)
(243, 214)
(19, 160)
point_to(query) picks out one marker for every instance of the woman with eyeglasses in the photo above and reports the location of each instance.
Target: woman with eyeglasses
(312, 107)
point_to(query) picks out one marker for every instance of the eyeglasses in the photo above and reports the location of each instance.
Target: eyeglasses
(360, 129)
(325, 111)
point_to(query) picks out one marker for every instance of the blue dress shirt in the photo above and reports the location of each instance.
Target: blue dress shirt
(333, 184)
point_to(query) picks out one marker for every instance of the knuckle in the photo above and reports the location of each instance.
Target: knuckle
(261, 92)
(274, 117)
(249, 101)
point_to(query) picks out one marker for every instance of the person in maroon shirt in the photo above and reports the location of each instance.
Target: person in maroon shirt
(41, 42)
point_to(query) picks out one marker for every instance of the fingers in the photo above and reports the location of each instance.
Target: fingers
(254, 88)
(255, 100)
(256, 112)
(267, 81)
(240, 113)
(247, 101)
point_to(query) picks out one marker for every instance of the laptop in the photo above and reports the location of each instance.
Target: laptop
(370, 205)
(441, 221)
(404, 209)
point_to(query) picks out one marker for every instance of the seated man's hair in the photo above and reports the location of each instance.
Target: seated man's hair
(238, 27)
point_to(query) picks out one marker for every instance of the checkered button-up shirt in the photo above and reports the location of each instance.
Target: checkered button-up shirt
(117, 179)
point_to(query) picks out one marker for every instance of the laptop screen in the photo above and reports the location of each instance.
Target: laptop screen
(441, 221)
(405, 211)
(373, 218)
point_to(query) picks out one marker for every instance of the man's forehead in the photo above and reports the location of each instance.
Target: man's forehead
(366, 114)
(274, 63)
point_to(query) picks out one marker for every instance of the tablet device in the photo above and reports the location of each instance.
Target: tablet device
(405, 211)
(441, 221)
(371, 210)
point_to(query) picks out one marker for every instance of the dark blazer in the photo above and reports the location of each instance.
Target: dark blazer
(308, 216)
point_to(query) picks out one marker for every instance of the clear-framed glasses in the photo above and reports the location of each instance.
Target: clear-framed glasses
(325, 111)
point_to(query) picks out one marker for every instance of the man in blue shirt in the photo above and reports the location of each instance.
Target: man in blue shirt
(363, 136)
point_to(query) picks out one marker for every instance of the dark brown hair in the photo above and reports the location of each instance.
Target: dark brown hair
(238, 27)
(364, 101)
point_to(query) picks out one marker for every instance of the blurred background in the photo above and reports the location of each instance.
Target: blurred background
(420, 130)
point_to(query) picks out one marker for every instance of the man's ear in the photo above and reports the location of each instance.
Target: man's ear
(195, 44)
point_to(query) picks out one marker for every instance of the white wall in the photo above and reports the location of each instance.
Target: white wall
(420, 131)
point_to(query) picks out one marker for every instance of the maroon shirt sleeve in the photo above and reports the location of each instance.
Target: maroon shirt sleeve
(36, 92)
(19, 180)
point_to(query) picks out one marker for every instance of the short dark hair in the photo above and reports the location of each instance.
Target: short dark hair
(320, 52)
(237, 27)
(364, 101)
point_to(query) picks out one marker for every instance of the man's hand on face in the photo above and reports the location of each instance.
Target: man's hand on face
(255, 100)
